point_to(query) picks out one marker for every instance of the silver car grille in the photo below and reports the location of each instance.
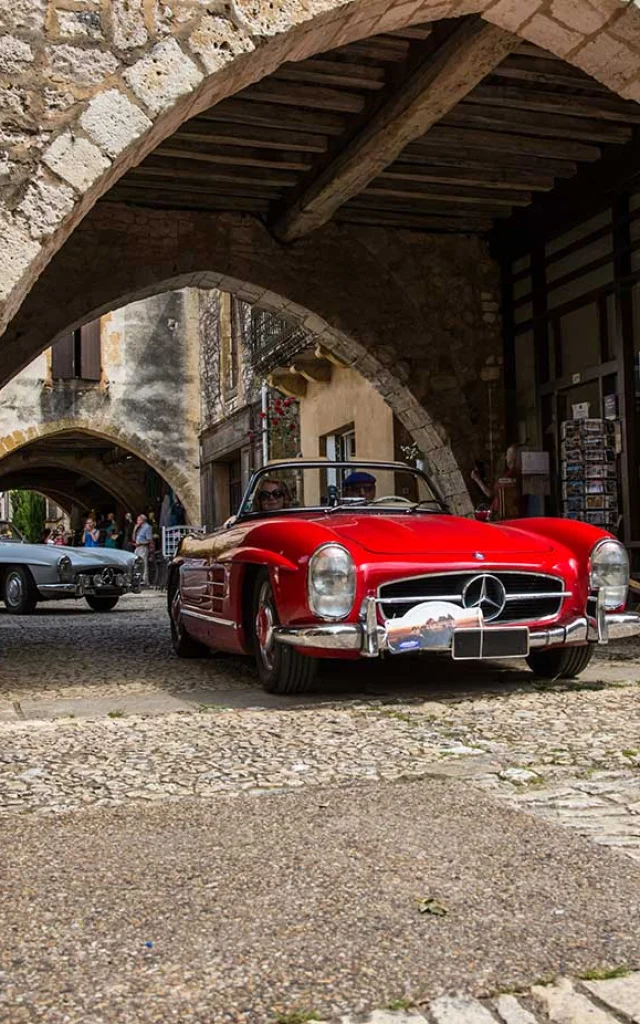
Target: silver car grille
(503, 596)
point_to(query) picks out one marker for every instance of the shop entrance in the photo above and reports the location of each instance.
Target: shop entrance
(573, 333)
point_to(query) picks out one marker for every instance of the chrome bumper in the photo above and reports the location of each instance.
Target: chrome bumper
(370, 639)
(82, 589)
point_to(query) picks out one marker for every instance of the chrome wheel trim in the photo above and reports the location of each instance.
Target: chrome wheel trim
(265, 621)
(176, 621)
(14, 589)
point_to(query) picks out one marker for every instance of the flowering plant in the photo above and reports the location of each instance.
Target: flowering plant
(283, 423)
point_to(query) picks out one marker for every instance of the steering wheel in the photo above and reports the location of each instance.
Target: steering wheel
(397, 498)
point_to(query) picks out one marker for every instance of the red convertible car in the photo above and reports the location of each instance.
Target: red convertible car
(332, 560)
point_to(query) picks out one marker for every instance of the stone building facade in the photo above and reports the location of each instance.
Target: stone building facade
(89, 93)
(419, 321)
(129, 431)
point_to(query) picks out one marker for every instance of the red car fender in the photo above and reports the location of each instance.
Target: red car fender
(579, 538)
(260, 556)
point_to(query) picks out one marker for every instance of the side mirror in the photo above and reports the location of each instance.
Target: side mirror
(483, 514)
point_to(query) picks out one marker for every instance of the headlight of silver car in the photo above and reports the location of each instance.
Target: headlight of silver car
(65, 569)
(331, 582)
(138, 566)
(609, 572)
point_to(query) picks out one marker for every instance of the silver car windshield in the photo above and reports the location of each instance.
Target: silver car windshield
(329, 486)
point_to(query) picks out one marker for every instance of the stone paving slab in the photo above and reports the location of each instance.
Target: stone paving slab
(620, 994)
(224, 910)
(564, 1001)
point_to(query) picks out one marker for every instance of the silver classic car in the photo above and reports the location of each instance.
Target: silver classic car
(44, 572)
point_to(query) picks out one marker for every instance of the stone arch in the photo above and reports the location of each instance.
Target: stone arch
(124, 107)
(35, 474)
(19, 442)
(357, 289)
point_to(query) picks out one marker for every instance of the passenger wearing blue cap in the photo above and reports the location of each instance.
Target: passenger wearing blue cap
(359, 485)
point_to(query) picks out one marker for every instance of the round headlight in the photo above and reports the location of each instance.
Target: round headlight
(65, 569)
(331, 582)
(609, 572)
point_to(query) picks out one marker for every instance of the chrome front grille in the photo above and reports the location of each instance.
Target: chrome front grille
(528, 596)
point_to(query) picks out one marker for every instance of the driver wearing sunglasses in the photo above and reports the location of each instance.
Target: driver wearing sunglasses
(272, 496)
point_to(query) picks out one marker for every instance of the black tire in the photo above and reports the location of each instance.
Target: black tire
(281, 668)
(19, 591)
(183, 645)
(560, 662)
(102, 604)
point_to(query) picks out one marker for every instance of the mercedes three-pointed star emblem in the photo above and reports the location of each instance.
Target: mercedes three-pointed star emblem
(486, 593)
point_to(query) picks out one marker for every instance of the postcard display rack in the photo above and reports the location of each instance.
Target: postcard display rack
(589, 475)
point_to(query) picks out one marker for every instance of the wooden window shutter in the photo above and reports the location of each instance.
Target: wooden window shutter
(90, 352)
(62, 358)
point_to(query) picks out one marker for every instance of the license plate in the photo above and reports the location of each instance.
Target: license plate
(471, 644)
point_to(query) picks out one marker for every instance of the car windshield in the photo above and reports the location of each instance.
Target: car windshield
(9, 534)
(340, 486)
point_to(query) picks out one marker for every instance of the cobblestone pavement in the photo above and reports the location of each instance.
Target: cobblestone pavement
(96, 711)
(569, 752)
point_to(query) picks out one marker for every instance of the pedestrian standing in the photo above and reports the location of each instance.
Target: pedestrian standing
(113, 536)
(90, 535)
(129, 527)
(142, 540)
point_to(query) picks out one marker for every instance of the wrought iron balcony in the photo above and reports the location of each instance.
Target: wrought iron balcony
(274, 341)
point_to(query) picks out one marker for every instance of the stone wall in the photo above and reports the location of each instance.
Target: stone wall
(88, 89)
(415, 315)
(147, 401)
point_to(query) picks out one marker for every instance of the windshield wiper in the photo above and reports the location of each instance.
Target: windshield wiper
(352, 503)
(442, 507)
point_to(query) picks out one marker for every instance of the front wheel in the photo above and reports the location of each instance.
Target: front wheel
(102, 604)
(19, 591)
(560, 662)
(281, 668)
(183, 645)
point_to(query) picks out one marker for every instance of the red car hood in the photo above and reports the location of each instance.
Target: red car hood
(429, 534)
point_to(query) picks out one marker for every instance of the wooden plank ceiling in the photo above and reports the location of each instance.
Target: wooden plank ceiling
(390, 131)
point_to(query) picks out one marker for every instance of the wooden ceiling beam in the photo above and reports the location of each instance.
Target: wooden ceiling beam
(270, 115)
(172, 167)
(485, 159)
(160, 177)
(543, 125)
(235, 157)
(186, 200)
(219, 134)
(376, 49)
(313, 97)
(199, 185)
(453, 194)
(545, 102)
(333, 73)
(429, 93)
(415, 222)
(422, 204)
(529, 69)
(448, 136)
(486, 177)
